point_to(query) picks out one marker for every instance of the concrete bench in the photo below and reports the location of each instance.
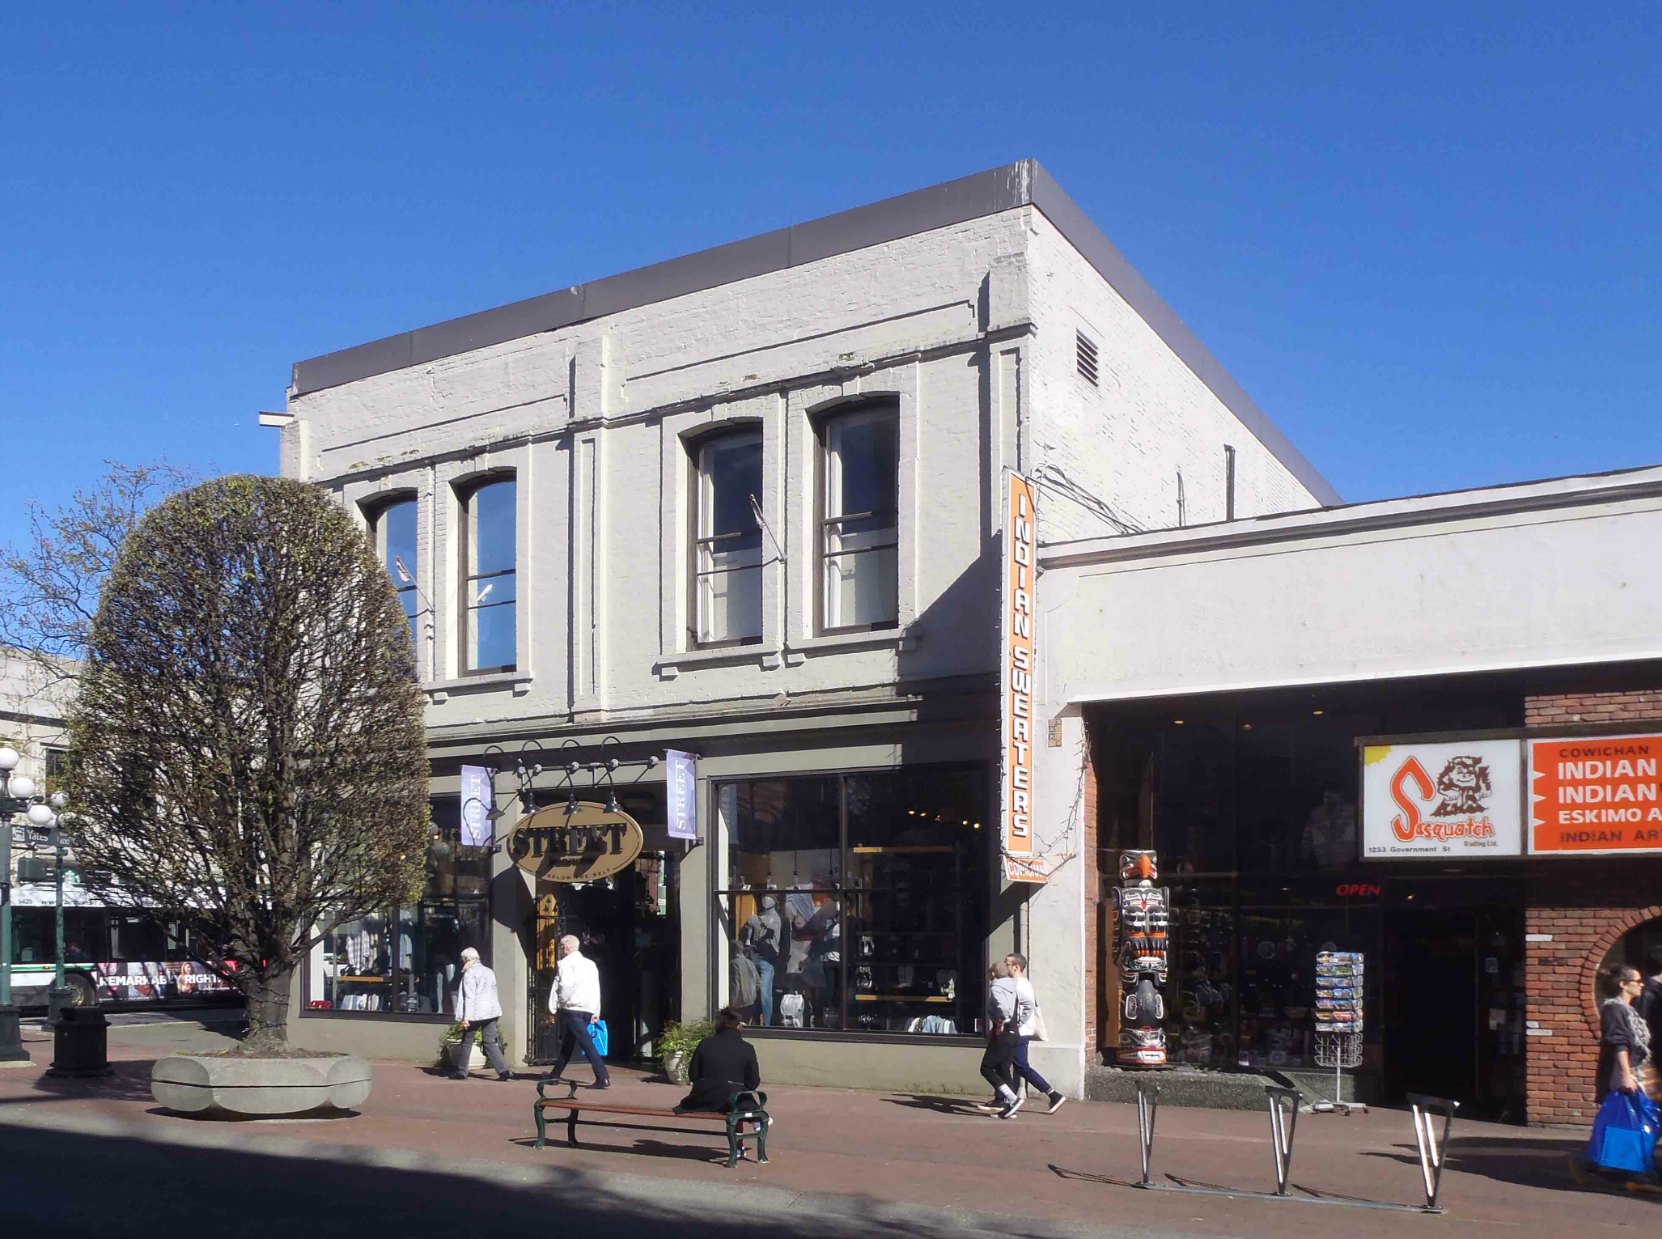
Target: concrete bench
(576, 1108)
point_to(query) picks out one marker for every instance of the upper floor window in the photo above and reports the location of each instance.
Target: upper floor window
(859, 488)
(489, 594)
(727, 540)
(393, 528)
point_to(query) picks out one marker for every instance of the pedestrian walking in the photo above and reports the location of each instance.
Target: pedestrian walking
(575, 1002)
(1649, 1007)
(1624, 1067)
(1000, 971)
(1001, 1041)
(1624, 1039)
(478, 1010)
(1027, 1019)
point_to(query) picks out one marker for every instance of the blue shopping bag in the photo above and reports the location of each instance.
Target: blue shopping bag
(1624, 1134)
(601, 1038)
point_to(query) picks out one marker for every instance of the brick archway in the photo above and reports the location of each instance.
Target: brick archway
(1623, 924)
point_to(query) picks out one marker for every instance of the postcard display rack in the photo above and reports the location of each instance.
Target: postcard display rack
(1339, 985)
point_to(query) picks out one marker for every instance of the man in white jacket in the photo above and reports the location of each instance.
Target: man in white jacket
(575, 1002)
(478, 1008)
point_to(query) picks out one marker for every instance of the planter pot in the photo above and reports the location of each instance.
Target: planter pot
(678, 1068)
(259, 1087)
(447, 1056)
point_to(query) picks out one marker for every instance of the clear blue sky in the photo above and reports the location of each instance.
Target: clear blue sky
(1424, 237)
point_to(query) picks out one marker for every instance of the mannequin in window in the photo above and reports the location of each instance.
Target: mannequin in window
(1330, 832)
(761, 938)
(822, 931)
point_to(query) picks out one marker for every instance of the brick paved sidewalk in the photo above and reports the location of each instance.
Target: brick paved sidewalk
(1075, 1166)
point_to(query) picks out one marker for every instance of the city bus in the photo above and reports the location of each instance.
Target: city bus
(113, 955)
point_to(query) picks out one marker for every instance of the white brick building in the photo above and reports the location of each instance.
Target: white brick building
(564, 487)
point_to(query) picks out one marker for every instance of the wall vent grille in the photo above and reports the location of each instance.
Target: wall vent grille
(1085, 352)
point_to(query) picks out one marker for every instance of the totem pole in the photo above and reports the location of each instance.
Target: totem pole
(1144, 952)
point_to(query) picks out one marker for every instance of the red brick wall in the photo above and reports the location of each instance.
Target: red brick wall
(1582, 907)
(1561, 978)
(1574, 709)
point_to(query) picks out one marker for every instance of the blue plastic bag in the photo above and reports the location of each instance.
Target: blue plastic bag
(601, 1038)
(1624, 1133)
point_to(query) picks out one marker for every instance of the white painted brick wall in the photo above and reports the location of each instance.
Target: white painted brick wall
(967, 327)
(1125, 440)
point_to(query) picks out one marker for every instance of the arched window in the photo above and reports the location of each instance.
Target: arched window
(392, 527)
(727, 540)
(489, 593)
(859, 531)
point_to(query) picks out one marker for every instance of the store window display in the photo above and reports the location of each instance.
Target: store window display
(879, 883)
(406, 961)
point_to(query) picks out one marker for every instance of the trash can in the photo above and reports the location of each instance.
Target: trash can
(80, 1043)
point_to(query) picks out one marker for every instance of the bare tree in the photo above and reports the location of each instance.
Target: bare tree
(246, 750)
(49, 588)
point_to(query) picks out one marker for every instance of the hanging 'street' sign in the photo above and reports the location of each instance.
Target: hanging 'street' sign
(575, 842)
(1016, 667)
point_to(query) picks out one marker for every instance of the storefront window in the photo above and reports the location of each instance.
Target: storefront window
(407, 961)
(857, 902)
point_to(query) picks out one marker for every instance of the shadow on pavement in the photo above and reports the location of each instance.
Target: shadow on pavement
(941, 1105)
(129, 1080)
(1529, 1163)
(89, 1185)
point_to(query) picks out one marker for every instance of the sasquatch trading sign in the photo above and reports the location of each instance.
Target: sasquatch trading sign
(1016, 665)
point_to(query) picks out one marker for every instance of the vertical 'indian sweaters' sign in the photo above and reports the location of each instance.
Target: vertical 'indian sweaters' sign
(1016, 666)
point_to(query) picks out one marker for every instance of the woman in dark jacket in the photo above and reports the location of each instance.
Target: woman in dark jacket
(1624, 1041)
(722, 1065)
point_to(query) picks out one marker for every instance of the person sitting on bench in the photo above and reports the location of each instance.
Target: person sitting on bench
(722, 1065)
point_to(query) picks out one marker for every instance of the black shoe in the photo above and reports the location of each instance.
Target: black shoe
(458, 1075)
(504, 1075)
(607, 1084)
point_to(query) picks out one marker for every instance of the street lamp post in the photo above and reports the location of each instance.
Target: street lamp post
(17, 795)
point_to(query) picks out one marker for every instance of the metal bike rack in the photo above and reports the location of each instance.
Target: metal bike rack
(1284, 1104)
(1148, 1103)
(1433, 1146)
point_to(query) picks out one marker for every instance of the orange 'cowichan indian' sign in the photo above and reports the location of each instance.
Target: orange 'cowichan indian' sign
(1596, 794)
(1016, 667)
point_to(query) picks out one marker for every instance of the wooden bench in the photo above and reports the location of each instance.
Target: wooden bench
(576, 1107)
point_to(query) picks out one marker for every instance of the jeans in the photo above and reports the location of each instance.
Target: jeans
(1025, 1070)
(490, 1038)
(574, 1035)
(764, 971)
(995, 1064)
